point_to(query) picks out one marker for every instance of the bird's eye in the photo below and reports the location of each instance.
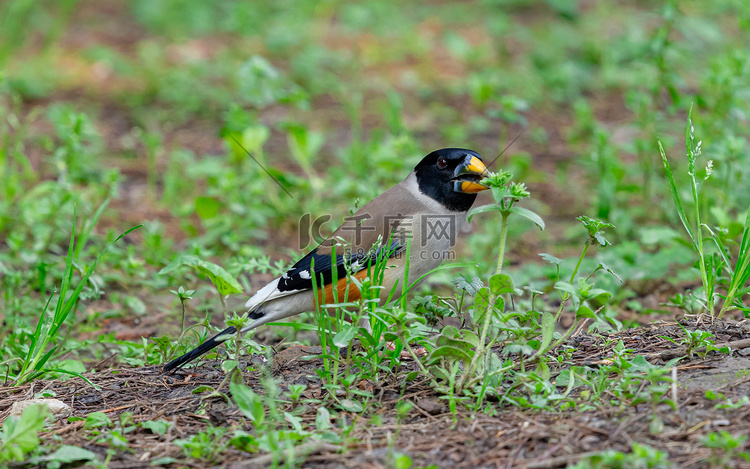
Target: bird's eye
(442, 163)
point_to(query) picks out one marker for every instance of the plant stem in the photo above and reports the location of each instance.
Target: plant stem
(560, 309)
(503, 235)
(580, 259)
(182, 326)
(699, 243)
(558, 342)
(482, 349)
(411, 352)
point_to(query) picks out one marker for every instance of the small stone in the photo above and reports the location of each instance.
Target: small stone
(56, 407)
(431, 406)
(744, 352)
(589, 441)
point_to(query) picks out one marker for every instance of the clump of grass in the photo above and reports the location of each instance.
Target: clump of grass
(715, 266)
(34, 364)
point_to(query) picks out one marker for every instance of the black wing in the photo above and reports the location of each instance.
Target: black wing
(299, 276)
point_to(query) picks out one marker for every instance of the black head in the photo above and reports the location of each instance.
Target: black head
(451, 176)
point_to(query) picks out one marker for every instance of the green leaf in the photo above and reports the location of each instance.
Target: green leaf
(597, 292)
(244, 441)
(411, 376)
(584, 312)
(351, 405)
(67, 454)
(471, 287)
(464, 345)
(157, 427)
(611, 272)
(249, 402)
(529, 215)
(201, 389)
(402, 461)
(640, 363)
(323, 419)
(501, 283)
(390, 336)
(551, 259)
(343, 337)
(449, 332)
(470, 337)
(254, 137)
(548, 330)
(564, 379)
(19, 436)
(599, 237)
(448, 351)
(97, 420)
(72, 365)
(542, 370)
(567, 288)
(481, 304)
(207, 207)
(224, 282)
(229, 365)
(135, 304)
(295, 421)
(483, 209)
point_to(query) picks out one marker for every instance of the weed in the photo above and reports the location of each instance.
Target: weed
(19, 435)
(725, 448)
(694, 340)
(47, 329)
(641, 456)
(711, 264)
(205, 446)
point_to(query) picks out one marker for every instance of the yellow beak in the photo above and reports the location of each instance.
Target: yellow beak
(468, 174)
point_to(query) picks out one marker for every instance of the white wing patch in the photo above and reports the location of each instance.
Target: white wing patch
(266, 294)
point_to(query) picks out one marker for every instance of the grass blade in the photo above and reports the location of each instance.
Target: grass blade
(675, 196)
(44, 334)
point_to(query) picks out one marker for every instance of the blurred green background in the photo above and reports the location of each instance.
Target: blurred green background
(133, 106)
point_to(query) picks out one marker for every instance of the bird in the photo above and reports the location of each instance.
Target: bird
(421, 216)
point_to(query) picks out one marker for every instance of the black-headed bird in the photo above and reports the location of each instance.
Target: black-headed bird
(422, 215)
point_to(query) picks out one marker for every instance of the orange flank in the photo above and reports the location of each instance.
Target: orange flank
(341, 287)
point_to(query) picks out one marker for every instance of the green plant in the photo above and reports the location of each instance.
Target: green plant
(694, 340)
(271, 428)
(725, 448)
(205, 446)
(642, 456)
(65, 455)
(183, 295)
(224, 282)
(715, 267)
(585, 292)
(34, 363)
(462, 359)
(19, 435)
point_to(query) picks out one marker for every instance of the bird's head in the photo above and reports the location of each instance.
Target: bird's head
(451, 176)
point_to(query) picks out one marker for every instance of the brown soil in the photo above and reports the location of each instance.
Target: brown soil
(429, 434)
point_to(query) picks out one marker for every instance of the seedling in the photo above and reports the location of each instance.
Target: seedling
(725, 448)
(18, 435)
(693, 341)
(184, 296)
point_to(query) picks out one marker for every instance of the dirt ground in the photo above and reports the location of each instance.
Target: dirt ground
(428, 434)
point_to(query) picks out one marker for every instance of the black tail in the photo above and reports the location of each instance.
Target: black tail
(211, 343)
